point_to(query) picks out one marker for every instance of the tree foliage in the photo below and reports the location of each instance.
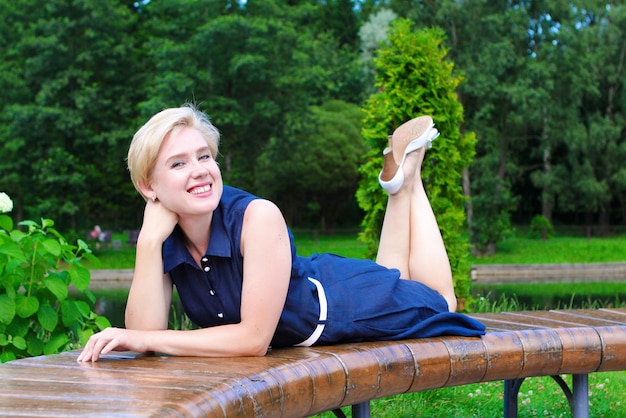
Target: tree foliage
(313, 172)
(543, 90)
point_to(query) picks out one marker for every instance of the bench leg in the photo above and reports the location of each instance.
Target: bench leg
(511, 390)
(361, 410)
(580, 407)
(578, 397)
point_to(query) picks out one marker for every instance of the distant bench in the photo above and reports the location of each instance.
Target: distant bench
(548, 273)
(299, 382)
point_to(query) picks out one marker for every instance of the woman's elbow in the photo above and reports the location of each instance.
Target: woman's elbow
(254, 345)
(256, 349)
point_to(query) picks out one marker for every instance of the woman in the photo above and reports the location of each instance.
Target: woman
(232, 259)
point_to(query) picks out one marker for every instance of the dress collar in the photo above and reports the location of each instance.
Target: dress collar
(175, 252)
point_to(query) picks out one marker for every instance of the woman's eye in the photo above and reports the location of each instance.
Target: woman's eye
(177, 164)
(205, 157)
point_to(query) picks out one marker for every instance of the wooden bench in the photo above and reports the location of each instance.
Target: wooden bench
(298, 382)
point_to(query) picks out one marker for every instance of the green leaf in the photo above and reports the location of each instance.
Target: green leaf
(3, 340)
(90, 296)
(10, 291)
(19, 326)
(35, 345)
(84, 335)
(19, 342)
(7, 309)
(83, 246)
(80, 277)
(7, 356)
(47, 317)
(70, 313)
(53, 247)
(29, 224)
(6, 222)
(46, 223)
(17, 235)
(13, 251)
(102, 323)
(55, 344)
(57, 286)
(25, 306)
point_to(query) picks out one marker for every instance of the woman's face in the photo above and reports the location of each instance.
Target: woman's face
(186, 177)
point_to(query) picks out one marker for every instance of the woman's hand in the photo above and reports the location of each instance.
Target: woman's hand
(158, 222)
(112, 339)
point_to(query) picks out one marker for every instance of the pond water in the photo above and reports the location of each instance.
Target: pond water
(112, 304)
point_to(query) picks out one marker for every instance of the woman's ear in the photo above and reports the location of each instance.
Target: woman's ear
(146, 190)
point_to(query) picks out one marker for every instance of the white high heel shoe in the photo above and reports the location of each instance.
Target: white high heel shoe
(409, 137)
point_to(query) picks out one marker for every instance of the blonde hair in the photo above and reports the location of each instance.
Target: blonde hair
(144, 148)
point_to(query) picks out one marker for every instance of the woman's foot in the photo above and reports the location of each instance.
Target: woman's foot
(409, 137)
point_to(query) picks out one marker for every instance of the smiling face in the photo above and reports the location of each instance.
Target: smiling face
(186, 178)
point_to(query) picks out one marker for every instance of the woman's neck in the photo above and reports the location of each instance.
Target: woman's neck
(197, 232)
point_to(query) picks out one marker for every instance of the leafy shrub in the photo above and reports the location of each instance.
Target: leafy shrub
(541, 227)
(37, 313)
(414, 76)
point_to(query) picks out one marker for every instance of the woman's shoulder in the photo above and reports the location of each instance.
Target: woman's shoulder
(234, 199)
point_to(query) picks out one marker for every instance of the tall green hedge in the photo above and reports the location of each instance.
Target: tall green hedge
(415, 77)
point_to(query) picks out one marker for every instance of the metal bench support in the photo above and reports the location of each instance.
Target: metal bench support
(578, 397)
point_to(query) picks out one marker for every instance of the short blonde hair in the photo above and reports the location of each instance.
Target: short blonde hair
(144, 148)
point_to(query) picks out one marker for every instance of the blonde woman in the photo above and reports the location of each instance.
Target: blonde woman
(234, 264)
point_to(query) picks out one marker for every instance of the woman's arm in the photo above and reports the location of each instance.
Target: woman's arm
(150, 294)
(267, 269)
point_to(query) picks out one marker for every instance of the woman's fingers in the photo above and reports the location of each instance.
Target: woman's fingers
(101, 343)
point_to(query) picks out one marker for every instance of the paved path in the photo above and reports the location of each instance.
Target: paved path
(548, 273)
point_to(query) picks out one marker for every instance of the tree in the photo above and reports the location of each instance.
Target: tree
(314, 170)
(72, 69)
(597, 150)
(414, 77)
(249, 68)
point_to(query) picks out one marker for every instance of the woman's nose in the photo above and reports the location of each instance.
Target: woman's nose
(199, 169)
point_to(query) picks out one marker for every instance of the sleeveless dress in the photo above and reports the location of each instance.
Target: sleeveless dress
(331, 299)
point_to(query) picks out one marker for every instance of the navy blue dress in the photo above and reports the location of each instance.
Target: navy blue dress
(347, 300)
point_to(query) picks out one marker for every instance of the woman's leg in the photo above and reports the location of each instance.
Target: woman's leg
(410, 239)
(394, 245)
(428, 258)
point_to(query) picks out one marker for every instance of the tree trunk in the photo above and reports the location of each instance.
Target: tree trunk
(467, 192)
(546, 194)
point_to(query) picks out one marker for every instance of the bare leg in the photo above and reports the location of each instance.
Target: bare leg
(428, 259)
(394, 245)
(410, 238)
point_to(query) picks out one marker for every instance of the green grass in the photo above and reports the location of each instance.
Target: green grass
(520, 250)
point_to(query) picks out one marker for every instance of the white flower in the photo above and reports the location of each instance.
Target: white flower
(6, 204)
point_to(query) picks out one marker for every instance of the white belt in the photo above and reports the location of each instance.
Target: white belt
(323, 312)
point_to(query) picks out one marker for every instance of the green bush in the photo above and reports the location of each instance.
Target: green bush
(414, 76)
(541, 227)
(37, 313)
